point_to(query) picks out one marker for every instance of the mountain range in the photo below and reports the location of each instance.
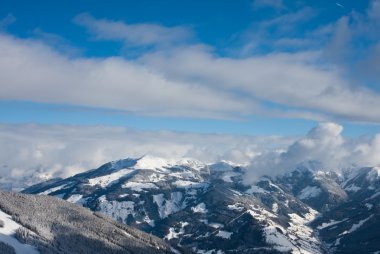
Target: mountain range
(208, 208)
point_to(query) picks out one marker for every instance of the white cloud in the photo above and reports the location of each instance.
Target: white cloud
(275, 4)
(203, 85)
(191, 80)
(30, 70)
(324, 145)
(31, 152)
(143, 34)
(293, 80)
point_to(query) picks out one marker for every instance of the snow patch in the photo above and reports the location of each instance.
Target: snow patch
(155, 178)
(189, 184)
(106, 180)
(357, 225)
(169, 206)
(149, 221)
(374, 196)
(329, 224)
(215, 225)
(77, 199)
(7, 235)
(275, 207)
(47, 192)
(238, 207)
(224, 234)
(152, 163)
(200, 208)
(278, 240)
(138, 187)
(352, 188)
(309, 192)
(173, 233)
(117, 210)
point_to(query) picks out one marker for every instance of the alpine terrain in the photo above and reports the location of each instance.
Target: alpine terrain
(31, 224)
(207, 208)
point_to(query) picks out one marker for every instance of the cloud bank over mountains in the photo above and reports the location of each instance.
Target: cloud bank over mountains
(44, 151)
(62, 150)
(323, 145)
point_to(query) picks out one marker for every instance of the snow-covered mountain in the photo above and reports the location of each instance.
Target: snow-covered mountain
(206, 208)
(31, 224)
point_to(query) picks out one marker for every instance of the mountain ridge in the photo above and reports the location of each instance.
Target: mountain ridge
(208, 207)
(44, 224)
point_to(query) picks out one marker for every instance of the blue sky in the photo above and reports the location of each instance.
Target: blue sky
(264, 67)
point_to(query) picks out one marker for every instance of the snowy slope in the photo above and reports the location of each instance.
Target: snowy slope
(7, 232)
(52, 225)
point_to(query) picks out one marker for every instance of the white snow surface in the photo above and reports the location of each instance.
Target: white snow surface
(369, 206)
(200, 208)
(149, 221)
(309, 192)
(76, 199)
(357, 225)
(169, 206)
(352, 188)
(7, 232)
(54, 189)
(157, 163)
(329, 224)
(117, 210)
(189, 184)
(224, 234)
(173, 232)
(297, 238)
(215, 225)
(107, 180)
(275, 207)
(139, 186)
(152, 163)
(237, 206)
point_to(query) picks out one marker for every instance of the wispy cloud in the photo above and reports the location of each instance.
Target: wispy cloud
(7, 21)
(58, 42)
(275, 4)
(142, 34)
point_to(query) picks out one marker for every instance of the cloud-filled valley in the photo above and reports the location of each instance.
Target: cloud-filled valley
(36, 152)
